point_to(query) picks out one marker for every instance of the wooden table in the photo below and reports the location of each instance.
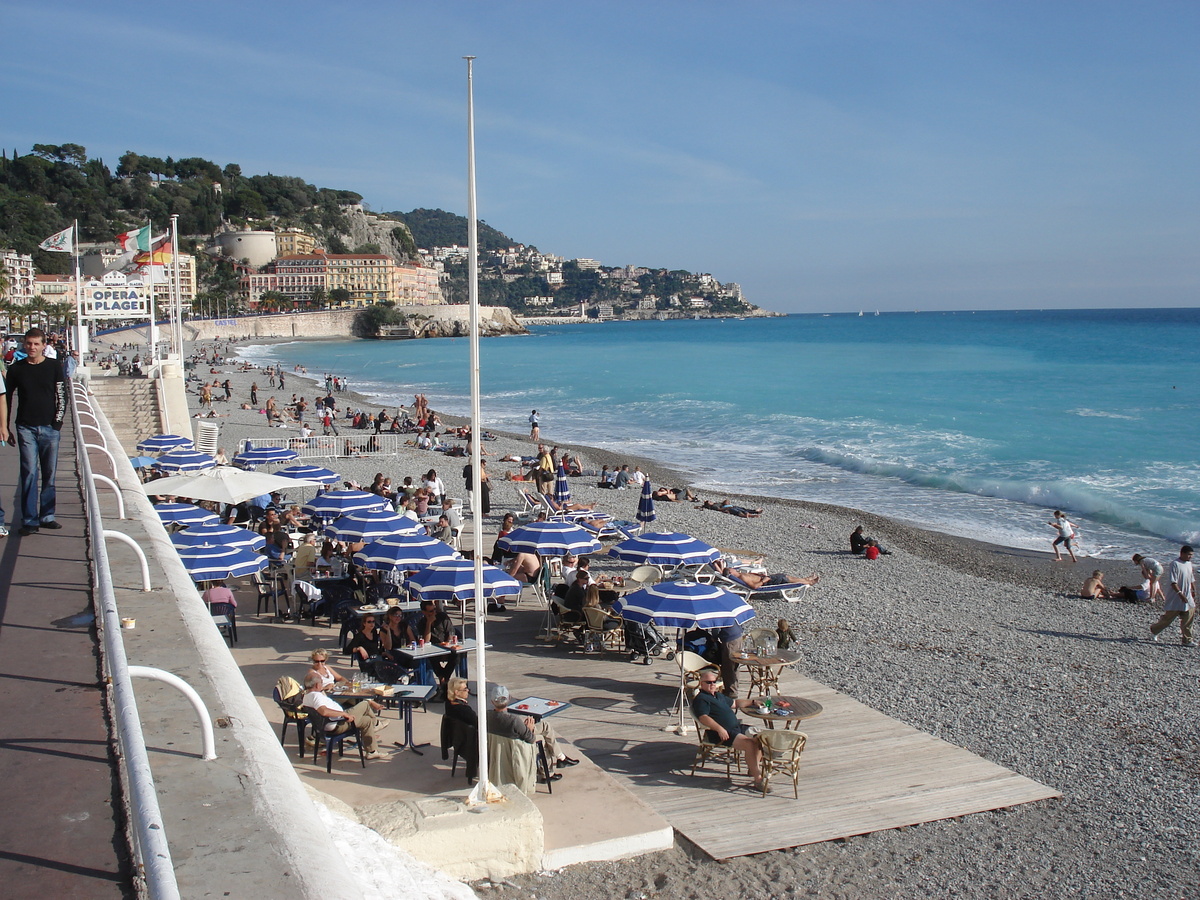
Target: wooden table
(797, 710)
(764, 670)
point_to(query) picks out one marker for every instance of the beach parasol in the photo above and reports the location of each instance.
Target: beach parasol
(645, 512)
(404, 551)
(218, 535)
(142, 462)
(549, 539)
(319, 474)
(205, 563)
(332, 504)
(257, 456)
(562, 488)
(370, 525)
(665, 548)
(184, 513)
(224, 484)
(455, 580)
(162, 442)
(184, 461)
(684, 604)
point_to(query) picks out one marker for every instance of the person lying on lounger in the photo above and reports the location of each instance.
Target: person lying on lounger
(755, 581)
(742, 512)
(674, 495)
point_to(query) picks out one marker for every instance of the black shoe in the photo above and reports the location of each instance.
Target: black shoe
(566, 762)
(53, 525)
(27, 530)
(557, 776)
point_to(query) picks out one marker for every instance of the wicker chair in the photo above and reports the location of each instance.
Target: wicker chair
(781, 753)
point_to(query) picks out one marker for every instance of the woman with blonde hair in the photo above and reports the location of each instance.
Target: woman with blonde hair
(328, 677)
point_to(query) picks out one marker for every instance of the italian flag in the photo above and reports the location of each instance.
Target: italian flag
(135, 240)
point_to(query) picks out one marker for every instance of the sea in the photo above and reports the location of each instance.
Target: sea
(977, 424)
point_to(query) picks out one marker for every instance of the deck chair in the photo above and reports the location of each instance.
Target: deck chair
(792, 593)
(781, 753)
(287, 696)
(531, 502)
(596, 635)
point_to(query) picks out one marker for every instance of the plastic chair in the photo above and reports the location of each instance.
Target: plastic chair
(644, 575)
(599, 636)
(691, 665)
(229, 626)
(781, 753)
(333, 737)
(293, 712)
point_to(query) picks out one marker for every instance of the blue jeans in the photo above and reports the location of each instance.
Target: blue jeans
(39, 451)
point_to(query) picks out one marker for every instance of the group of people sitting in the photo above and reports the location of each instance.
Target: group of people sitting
(1150, 588)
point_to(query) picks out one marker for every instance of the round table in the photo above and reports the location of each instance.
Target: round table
(798, 710)
(764, 670)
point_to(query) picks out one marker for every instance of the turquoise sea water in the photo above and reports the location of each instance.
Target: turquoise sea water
(972, 423)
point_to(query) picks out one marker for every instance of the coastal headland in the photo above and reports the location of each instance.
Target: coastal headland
(427, 321)
(986, 647)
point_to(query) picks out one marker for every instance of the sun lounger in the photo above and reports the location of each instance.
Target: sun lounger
(792, 593)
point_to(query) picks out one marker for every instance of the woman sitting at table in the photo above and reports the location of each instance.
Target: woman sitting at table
(326, 560)
(395, 632)
(218, 593)
(459, 709)
(324, 671)
(294, 519)
(507, 524)
(366, 644)
(591, 600)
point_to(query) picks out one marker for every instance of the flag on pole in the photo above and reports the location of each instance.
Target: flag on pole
(159, 253)
(132, 241)
(59, 243)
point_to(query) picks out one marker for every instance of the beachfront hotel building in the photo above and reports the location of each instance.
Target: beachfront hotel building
(367, 277)
(294, 242)
(18, 267)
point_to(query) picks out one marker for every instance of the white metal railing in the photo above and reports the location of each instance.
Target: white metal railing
(151, 852)
(349, 443)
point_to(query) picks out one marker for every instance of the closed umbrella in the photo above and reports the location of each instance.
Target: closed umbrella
(646, 513)
(369, 525)
(455, 580)
(404, 551)
(562, 487)
(163, 442)
(218, 535)
(332, 504)
(225, 484)
(319, 474)
(184, 461)
(257, 456)
(549, 539)
(207, 562)
(183, 513)
(665, 548)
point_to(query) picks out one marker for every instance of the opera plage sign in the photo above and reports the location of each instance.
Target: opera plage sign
(116, 301)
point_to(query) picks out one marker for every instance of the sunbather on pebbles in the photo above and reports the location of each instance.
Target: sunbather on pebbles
(756, 581)
(674, 495)
(742, 512)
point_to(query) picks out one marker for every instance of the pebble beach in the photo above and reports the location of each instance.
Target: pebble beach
(985, 647)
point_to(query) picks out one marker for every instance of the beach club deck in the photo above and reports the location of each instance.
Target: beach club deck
(861, 772)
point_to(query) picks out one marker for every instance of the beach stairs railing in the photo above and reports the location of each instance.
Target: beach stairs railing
(131, 405)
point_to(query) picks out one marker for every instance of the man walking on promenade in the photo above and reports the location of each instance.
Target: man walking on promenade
(3, 440)
(1181, 598)
(38, 391)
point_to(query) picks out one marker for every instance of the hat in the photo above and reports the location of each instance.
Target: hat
(498, 695)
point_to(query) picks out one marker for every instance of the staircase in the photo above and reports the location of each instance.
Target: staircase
(131, 407)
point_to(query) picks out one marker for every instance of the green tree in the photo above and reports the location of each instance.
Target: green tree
(339, 297)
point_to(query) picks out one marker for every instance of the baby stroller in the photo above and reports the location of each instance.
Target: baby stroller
(647, 642)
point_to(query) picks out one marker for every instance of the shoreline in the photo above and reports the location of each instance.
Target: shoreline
(987, 647)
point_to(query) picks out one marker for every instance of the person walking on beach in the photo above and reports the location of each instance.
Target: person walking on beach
(1066, 534)
(1181, 598)
(1152, 571)
(36, 388)
(535, 429)
(254, 394)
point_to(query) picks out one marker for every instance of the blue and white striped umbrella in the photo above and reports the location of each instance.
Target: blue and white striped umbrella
(455, 580)
(207, 562)
(549, 539)
(319, 474)
(684, 604)
(370, 525)
(218, 535)
(257, 456)
(646, 513)
(184, 514)
(184, 461)
(404, 551)
(665, 548)
(332, 504)
(162, 442)
(562, 488)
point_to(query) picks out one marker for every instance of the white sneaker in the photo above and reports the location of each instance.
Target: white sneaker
(374, 754)
(3, 531)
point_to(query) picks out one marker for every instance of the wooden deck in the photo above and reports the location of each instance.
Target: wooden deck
(861, 772)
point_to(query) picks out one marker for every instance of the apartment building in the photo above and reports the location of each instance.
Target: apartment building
(19, 269)
(294, 242)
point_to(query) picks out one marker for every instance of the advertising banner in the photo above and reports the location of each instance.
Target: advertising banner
(124, 301)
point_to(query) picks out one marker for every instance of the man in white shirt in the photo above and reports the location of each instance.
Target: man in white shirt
(361, 714)
(1181, 597)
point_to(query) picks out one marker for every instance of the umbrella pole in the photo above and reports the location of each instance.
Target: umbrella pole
(681, 727)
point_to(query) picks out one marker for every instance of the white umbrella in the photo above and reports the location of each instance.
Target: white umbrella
(224, 484)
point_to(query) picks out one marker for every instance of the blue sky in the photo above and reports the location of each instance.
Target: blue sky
(826, 155)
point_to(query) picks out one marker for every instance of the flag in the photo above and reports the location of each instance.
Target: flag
(159, 252)
(135, 240)
(59, 243)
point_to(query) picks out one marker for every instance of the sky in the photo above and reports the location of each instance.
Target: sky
(827, 156)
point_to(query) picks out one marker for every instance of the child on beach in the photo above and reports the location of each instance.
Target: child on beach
(1066, 533)
(785, 635)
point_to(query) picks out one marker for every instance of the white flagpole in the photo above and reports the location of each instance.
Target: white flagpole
(150, 332)
(81, 332)
(483, 791)
(176, 293)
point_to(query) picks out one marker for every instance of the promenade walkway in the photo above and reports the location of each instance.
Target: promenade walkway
(62, 834)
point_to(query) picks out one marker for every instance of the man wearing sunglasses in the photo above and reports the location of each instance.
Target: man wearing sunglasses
(718, 713)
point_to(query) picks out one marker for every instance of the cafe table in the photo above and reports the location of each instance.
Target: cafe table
(418, 657)
(791, 711)
(401, 696)
(764, 670)
(538, 708)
